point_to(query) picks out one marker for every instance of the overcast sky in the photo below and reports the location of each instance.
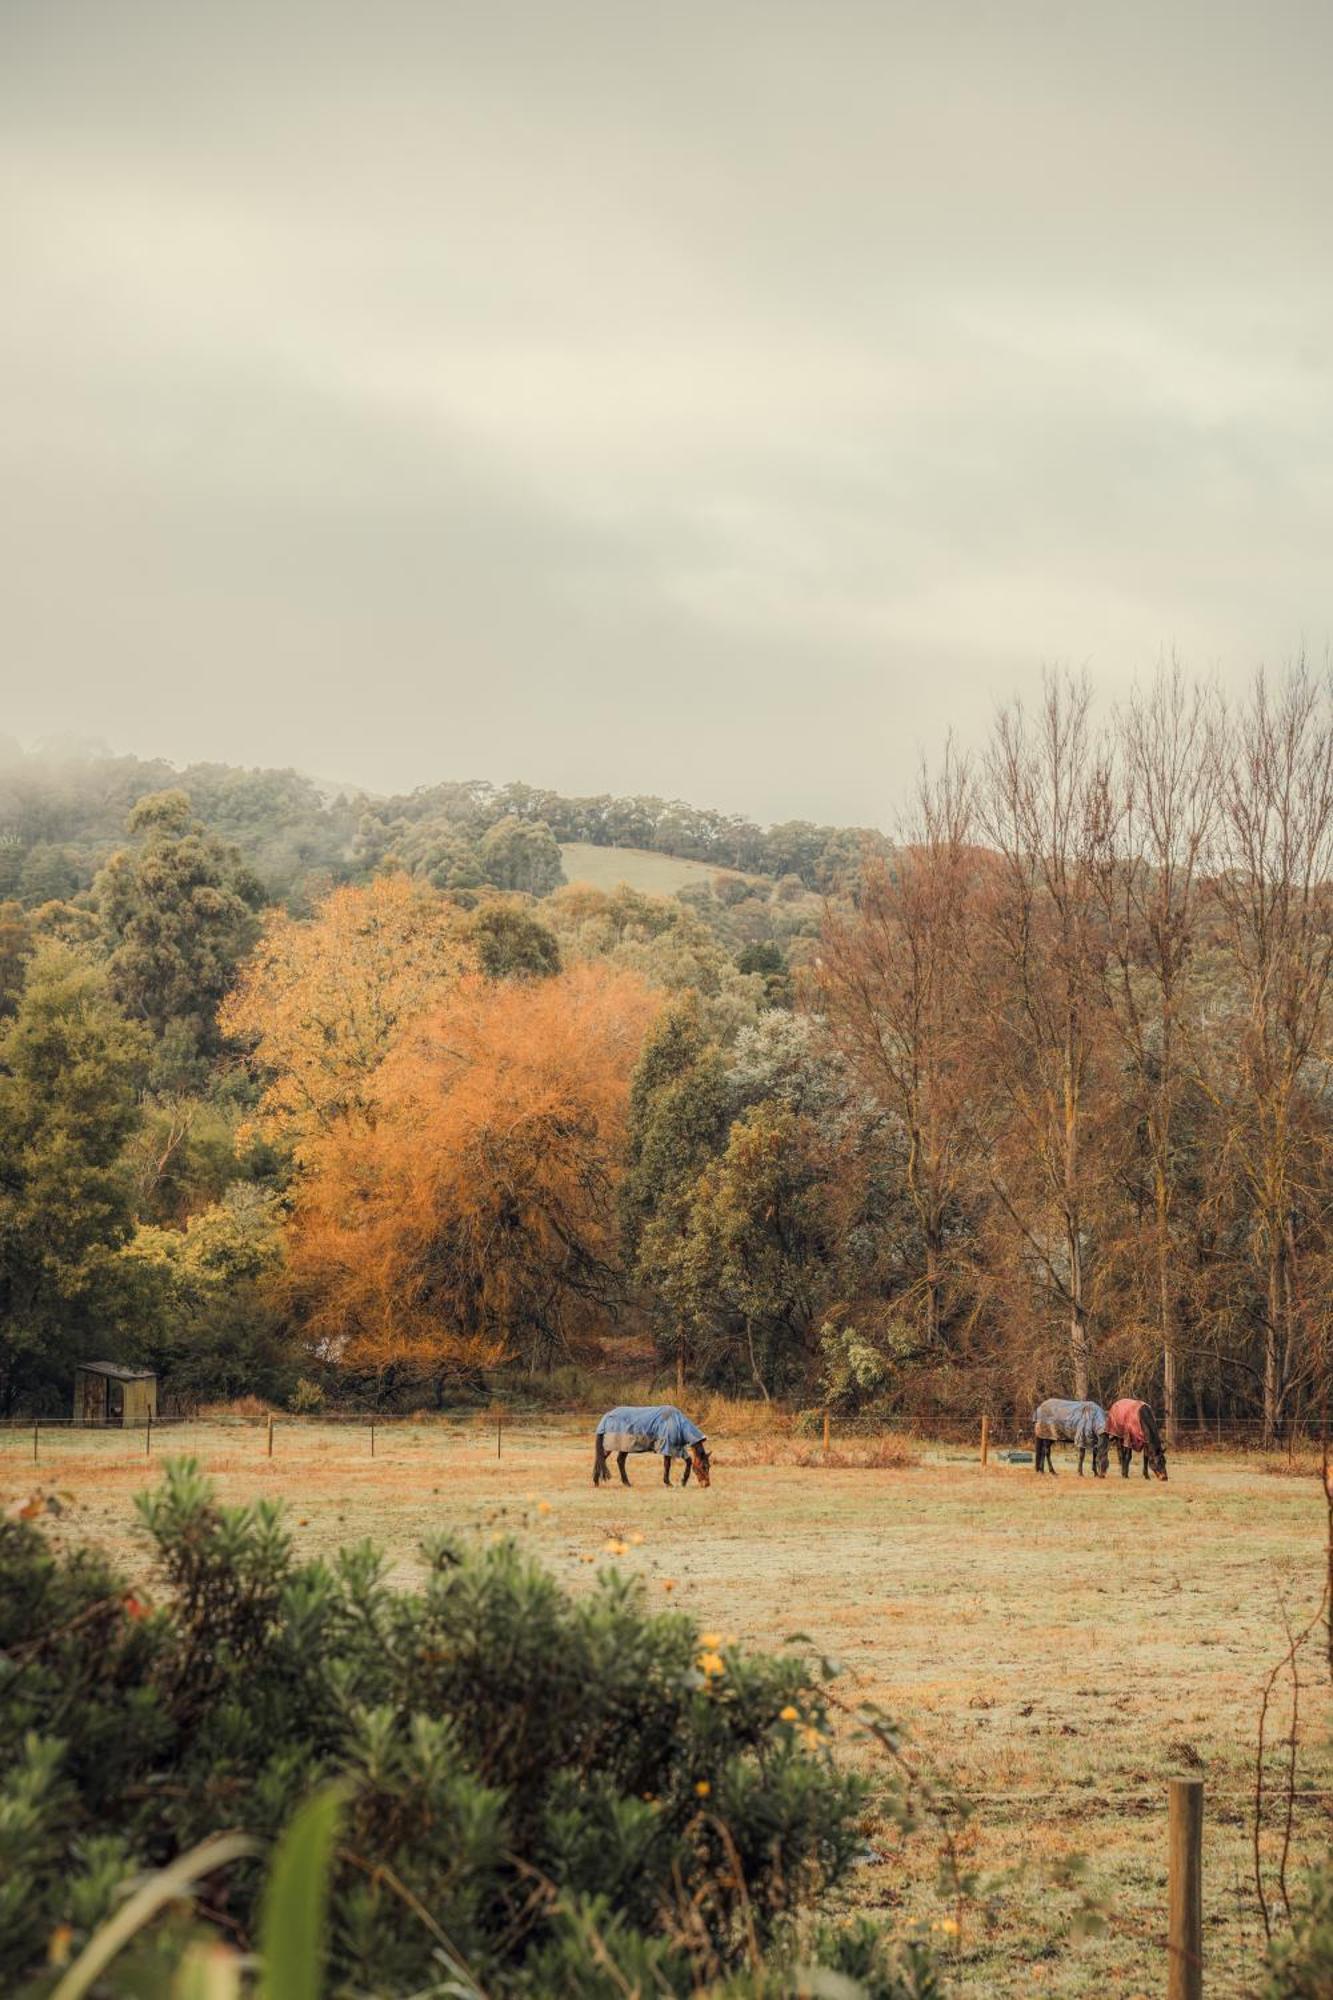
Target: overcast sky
(709, 398)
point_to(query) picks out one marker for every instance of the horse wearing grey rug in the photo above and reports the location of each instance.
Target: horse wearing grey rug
(658, 1427)
(1062, 1420)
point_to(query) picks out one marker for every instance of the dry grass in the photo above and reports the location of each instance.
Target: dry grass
(1057, 1647)
(882, 1454)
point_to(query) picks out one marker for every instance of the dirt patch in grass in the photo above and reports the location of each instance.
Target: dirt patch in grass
(1057, 1648)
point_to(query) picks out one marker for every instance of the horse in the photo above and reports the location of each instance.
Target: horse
(658, 1427)
(1133, 1427)
(1061, 1420)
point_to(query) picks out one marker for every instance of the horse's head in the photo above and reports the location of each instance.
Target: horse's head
(1101, 1456)
(699, 1462)
(1153, 1449)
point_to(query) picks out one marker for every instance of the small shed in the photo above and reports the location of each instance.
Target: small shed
(105, 1392)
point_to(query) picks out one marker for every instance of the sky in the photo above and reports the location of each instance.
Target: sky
(727, 399)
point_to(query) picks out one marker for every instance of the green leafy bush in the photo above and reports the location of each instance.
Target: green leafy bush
(1300, 1963)
(546, 1794)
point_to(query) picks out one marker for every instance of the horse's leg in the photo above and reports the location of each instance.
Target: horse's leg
(1125, 1455)
(620, 1461)
(1082, 1448)
(1146, 1468)
(685, 1476)
(666, 1468)
(599, 1469)
(1041, 1454)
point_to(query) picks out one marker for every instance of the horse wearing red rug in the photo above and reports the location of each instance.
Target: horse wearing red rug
(1132, 1427)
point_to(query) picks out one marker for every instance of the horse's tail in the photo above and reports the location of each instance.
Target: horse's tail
(600, 1469)
(1148, 1425)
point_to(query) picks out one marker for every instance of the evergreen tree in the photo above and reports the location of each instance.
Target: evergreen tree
(178, 913)
(70, 1070)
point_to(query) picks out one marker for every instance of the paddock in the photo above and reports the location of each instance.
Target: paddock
(1057, 1648)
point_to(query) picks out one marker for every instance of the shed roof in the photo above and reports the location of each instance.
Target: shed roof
(117, 1371)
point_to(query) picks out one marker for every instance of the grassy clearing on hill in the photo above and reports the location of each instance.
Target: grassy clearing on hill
(1057, 1648)
(643, 869)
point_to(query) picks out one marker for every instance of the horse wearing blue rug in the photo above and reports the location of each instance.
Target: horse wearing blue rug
(658, 1427)
(1062, 1420)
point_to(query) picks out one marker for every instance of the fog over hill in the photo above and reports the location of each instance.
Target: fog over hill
(64, 808)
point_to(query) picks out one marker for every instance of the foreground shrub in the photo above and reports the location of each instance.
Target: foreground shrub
(1300, 1963)
(556, 1794)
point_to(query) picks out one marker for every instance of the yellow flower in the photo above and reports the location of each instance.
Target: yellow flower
(668, 1583)
(710, 1641)
(811, 1737)
(789, 1714)
(543, 1506)
(615, 1547)
(711, 1664)
(703, 1788)
(948, 1925)
(637, 1540)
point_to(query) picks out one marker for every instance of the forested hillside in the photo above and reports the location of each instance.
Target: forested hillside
(357, 1099)
(64, 812)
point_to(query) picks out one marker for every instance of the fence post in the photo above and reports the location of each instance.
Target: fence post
(826, 1428)
(1184, 1937)
(270, 1433)
(148, 1436)
(34, 1440)
(985, 1439)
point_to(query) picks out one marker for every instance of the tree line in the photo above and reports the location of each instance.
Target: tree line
(63, 813)
(1038, 1104)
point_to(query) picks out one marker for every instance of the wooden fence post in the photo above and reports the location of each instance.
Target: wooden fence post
(270, 1433)
(1184, 1893)
(985, 1439)
(148, 1435)
(34, 1440)
(826, 1429)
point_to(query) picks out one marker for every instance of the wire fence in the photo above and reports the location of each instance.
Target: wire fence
(501, 1428)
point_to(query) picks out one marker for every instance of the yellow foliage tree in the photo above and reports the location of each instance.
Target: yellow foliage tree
(474, 1217)
(321, 1002)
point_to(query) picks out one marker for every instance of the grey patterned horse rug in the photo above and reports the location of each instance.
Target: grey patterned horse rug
(657, 1427)
(1063, 1420)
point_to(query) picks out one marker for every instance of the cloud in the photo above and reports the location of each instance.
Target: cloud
(723, 400)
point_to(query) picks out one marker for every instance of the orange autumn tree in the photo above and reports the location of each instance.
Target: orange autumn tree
(473, 1219)
(321, 1002)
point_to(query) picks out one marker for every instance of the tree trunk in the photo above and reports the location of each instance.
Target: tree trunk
(1272, 1341)
(1078, 1342)
(1166, 1317)
(932, 1285)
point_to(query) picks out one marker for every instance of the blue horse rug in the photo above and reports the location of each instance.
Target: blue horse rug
(1065, 1421)
(659, 1427)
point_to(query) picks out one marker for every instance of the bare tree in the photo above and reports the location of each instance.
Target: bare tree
(1275, 789)
(892, 989)
(1046, 809)
(1167, 772)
